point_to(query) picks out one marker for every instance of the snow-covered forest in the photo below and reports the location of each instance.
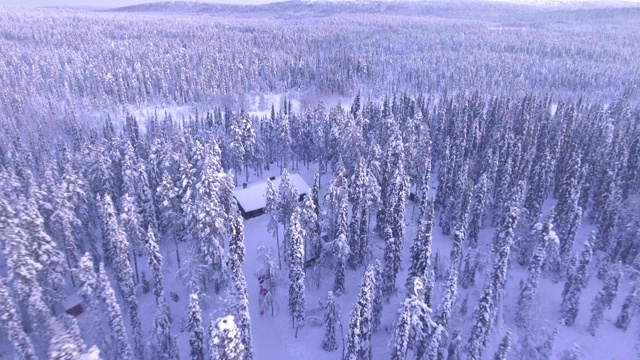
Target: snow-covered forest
(473, 175)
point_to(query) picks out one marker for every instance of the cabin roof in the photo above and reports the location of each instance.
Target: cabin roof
(254, 196)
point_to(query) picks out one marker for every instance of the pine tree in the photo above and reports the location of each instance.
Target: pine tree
(296, 273)
(361, 322)
(503, 348)
(605, 297)
(630, 303)
(576, 282)
(196, 331)
(330, 319)
(226, 343)
(12, 323)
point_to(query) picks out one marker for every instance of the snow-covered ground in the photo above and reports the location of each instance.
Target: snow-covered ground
(274, 337)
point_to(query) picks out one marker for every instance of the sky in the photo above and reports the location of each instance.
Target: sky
(117, 3)
(113, 3)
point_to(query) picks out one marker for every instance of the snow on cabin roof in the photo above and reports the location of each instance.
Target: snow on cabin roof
(254, 196)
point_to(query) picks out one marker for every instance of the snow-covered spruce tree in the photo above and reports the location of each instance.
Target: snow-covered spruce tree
(155, 264)
(413, 327)
(45, 252)
(630, 303)
(287, 198)
(429, 282)
(449, 296)
(394, 221)
(482, 319)
(272, 208)
(538, 187)
(340, 246)
(114, 317)
(454, 351)
(574, 353)
(248, 137)
(480, 195)
(393, 184)
(377, 297)
(545, 350)
(212, 219)
(315, 193)
(391, 264)
(168, 204)
(65, 223)
(186, 195)
(238, 294)
(436, 342)
(226, 342)
(296, 272)
(73, 329)
(575, 283)
(605, 297)
(311, 227)
(12, 324)
(337, 200)
(124, 275)
(195, 328)
(528, 291)
(23, 269)
(503, 348)
(504, 239)
(357, 196)
(131, 224)
(608, 218)
(361, 322)
(166, 345)
(62, 345)
(330, 319)
(90, 288)
(421, 247)
(455, 257)
(468, 276)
